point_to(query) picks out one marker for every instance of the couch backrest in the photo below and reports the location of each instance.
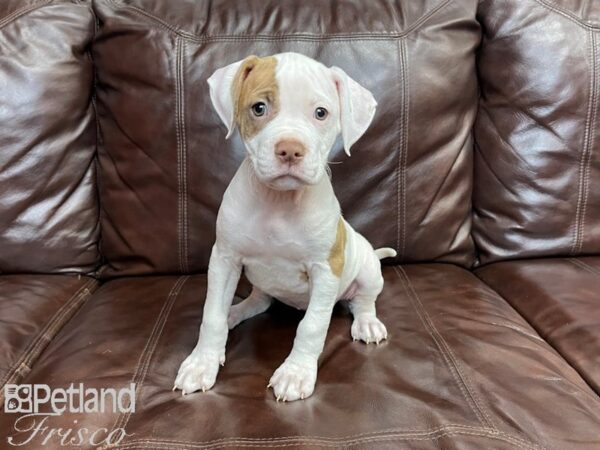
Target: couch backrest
(164, 162)
(48, 199)
(537, 164)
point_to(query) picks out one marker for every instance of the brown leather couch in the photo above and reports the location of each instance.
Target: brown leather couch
(482, 168)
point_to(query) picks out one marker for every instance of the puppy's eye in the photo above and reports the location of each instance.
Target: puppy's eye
(320, 113)
(259, 109)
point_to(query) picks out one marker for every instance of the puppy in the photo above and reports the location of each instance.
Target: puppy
(280, 220)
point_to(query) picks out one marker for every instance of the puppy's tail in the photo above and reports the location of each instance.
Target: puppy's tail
(385, 252)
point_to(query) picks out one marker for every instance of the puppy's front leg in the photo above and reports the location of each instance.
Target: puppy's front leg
(295, 378)
(199, 370)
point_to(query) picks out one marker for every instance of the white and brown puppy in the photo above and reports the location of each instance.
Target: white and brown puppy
(280, 219)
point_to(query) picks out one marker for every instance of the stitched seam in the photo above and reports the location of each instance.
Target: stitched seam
(180, 195)
(540, 331)
(95, 162)
(397, 431)
(566, 14)
(584, 266)
(590, 147)
(21, 12)
(400, 81)
(184, 165)
(150, 346)
(404, 149)
(45, 335)
(297, 440)
(143, 364)
(68, 312)
(577, 238)
(444, 349)
(46, 332)
(178, 138)
(447, 354)
(333, 442)
(182, 228)
(273, 37)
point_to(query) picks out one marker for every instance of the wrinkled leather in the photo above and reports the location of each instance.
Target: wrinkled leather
(537, 164)
(560, 298)
(164, 160)
(461, 370)
(48, 201)
(33, 308)
(585, 11)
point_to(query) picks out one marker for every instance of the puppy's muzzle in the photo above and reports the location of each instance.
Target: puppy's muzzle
(290, 151)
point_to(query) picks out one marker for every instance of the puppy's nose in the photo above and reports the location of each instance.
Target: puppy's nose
(290, 151)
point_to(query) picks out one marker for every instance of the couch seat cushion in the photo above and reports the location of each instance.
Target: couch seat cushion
(560, 298)
(461, 370)
(33, 308)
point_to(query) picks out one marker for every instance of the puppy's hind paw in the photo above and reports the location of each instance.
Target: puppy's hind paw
(368, 329)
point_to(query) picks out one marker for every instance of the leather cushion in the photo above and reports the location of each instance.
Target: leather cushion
(48, 201)
(164, 160)
(461, 370)
(560, 298)
(33, 308)
(537, 164)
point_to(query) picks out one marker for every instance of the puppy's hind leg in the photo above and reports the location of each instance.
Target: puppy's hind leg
(256, 303)
(366, 326)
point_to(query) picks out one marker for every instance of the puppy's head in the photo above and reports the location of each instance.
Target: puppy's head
(289, 110)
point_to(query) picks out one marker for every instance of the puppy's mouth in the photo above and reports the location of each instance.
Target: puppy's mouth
(288, 181)
(286, 177)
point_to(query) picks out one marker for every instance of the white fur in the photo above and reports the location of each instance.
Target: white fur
(279, 222)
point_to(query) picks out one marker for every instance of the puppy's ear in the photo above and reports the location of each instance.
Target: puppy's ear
(357, 107)
(222, 95)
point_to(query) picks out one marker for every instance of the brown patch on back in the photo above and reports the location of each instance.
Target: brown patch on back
(255, 81)
(337, 253)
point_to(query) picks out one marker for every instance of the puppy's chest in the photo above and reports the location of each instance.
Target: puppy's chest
(277, 250)
(278, 236)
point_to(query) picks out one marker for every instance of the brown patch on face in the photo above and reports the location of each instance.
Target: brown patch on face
(337, 253)
(255, 82)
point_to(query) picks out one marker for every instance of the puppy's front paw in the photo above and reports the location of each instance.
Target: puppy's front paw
(294, 380)
(368, 328)
(198, 372)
